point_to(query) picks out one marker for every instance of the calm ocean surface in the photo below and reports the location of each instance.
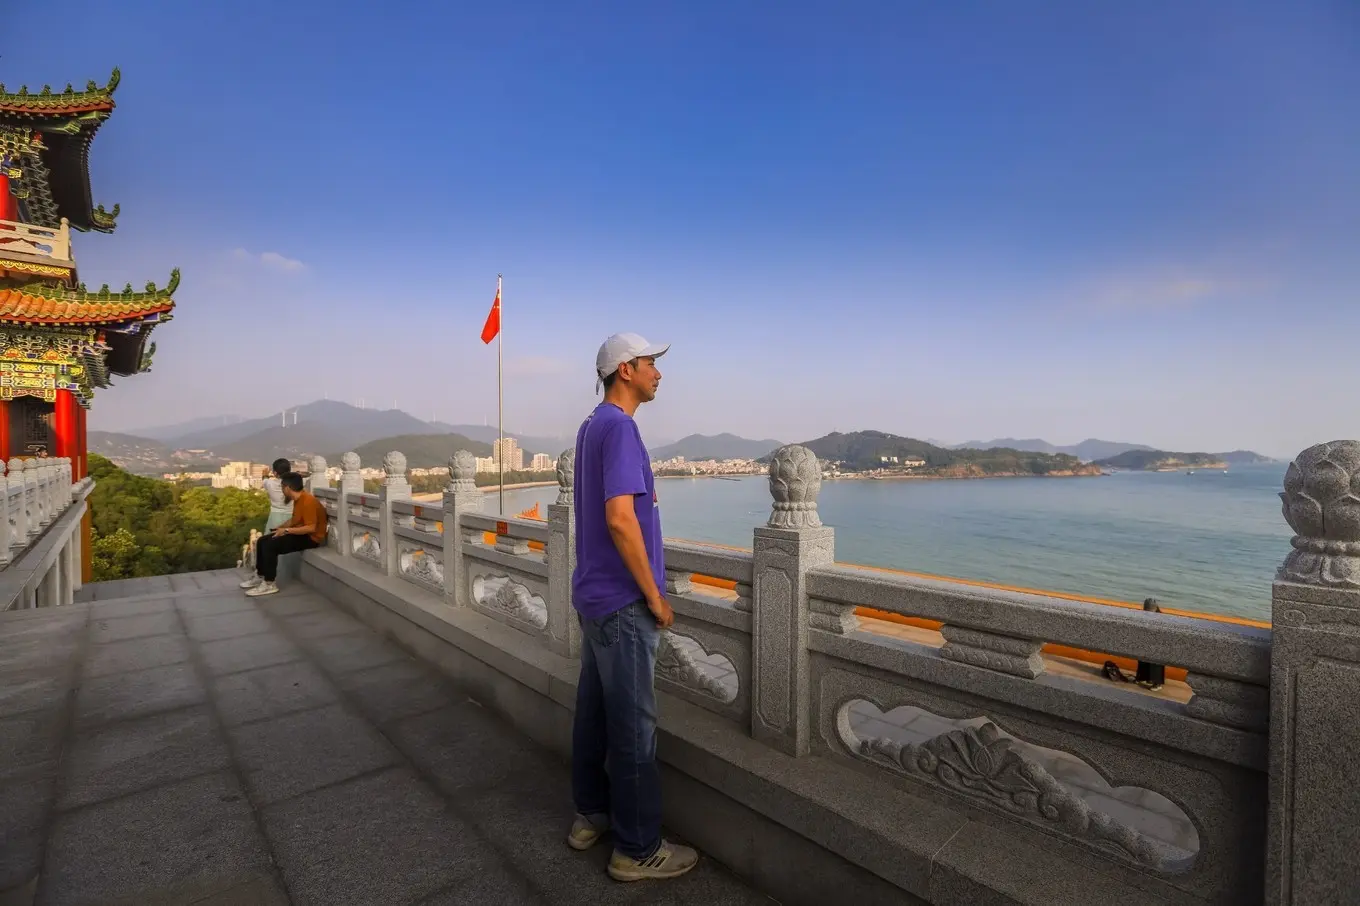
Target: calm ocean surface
(1206, 541)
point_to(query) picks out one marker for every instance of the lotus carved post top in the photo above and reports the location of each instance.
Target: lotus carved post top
(1321, 503)
(566, 476)
(462, 472)
(317, 466)
(394, 465)
(350, 462)
(795, 481)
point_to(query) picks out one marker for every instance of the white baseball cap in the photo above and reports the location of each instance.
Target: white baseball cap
(624, 347)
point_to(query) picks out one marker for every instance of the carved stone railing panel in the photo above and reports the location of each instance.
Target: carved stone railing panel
(18, 238)
(979, 761)
(1018, 657)
(832, 616)
(421, 565)
(515, 600)
(366, 543)
(1194, 824)
(707, 665)
(510, 531)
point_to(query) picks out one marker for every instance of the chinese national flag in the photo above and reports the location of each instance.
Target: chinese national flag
(493, 320)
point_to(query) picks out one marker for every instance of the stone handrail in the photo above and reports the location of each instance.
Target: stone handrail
(40, 517)
(37, 241)
(1164, 792)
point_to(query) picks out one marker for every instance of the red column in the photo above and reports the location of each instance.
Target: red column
(65, 426)
(4, 430)
(79, 457)
(9, 205)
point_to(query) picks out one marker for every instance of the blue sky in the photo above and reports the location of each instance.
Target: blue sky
(1135, 221)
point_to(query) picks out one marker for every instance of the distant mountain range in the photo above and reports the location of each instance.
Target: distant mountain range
(716, 446)
(866, 450)
(1087, 451)
(324, 427)
(330, 427)
(1153, 460)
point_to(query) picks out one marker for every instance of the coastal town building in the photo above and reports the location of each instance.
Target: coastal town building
(59, 341)
(542, 463)
(507, 449)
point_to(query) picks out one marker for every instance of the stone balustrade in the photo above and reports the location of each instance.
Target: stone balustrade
(40, 516)
(1180, 796)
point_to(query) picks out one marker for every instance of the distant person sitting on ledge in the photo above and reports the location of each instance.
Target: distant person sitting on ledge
(280, 510)
(306, 530)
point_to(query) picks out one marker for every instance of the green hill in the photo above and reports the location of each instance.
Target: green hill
(865, 450)
(423, 451)
(1152, 460)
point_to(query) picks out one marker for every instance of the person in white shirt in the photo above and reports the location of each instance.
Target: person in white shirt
(280, 508)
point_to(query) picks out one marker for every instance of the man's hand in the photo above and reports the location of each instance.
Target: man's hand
(280, 531)
(661, 609)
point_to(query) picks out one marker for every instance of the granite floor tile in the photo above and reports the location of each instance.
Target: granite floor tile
(466, 750)
(171, 844)
(339, 654)
(301, 752)
(266, 890)
(133, 607)
(134, 755)
(136, 654)
(223, 602)
(271, 692)
(248, 653)
(25, 805)
(282, 605)
(228, 625)
(323, 623)
(398, 690)
(123, 696)
(498, 885)
(19, 658)
(382, 838)
(20, 693)
(30, 742)
(116, 629)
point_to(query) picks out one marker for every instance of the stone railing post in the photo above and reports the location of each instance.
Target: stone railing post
(32, 508)
(316, 474)
(18, 506)
(6, 516)
(351, 482)
(1312, 831)
(460, 496)
(793, 542)
(38, 479)
(564, 631)
(395, 487)
(49, 467)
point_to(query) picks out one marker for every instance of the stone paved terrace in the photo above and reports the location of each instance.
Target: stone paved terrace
(172, 741)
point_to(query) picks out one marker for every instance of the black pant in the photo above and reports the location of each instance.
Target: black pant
(268, 549)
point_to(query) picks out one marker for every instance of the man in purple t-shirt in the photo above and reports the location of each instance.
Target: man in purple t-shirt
(616, 590)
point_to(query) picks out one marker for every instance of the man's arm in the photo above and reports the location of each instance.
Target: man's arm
(294, 525)
(622, 520)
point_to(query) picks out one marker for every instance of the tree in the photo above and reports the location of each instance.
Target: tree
(147, 527)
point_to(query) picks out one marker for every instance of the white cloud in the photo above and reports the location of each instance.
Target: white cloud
(1141, 293)
(272, 260)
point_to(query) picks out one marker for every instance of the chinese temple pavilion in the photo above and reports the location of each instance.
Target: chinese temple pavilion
(59, 342)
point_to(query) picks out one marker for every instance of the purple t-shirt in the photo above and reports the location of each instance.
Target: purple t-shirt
(611, 461)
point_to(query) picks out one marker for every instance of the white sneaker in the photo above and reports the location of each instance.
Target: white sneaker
(264, 588)
(670, 860)
(252, 581)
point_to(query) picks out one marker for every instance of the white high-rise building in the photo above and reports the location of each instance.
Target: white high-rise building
(542, 463)
(486, 464)
(507, 449)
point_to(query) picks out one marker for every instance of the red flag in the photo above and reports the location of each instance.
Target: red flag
(493, 320)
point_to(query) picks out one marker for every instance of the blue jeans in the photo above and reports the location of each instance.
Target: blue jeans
(613, 744)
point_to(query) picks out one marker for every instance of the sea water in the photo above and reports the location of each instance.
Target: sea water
(1206, 540)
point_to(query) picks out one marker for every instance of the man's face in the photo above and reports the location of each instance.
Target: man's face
(643, 376)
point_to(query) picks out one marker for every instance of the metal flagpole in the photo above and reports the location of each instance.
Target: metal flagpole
(500, 392)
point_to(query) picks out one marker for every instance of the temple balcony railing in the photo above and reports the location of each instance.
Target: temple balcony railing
(41, 511)
(975, 737)
(37, 244)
